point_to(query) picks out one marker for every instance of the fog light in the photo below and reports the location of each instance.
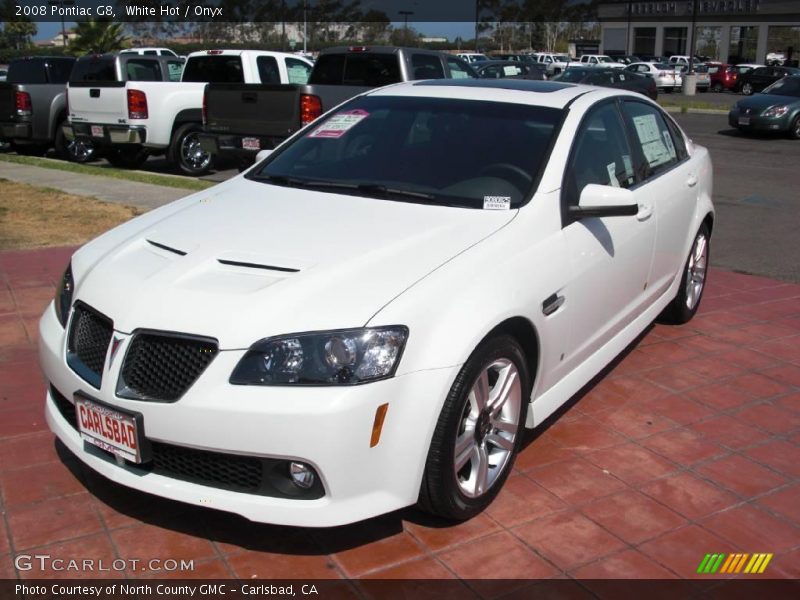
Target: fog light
(302, 475)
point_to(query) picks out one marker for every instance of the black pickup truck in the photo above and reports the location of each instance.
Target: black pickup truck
(33, 104)
(242, 119)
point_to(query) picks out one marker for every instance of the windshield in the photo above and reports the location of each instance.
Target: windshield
(789, 86)
(431, 150)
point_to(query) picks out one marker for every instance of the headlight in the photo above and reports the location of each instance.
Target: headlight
(776, 111)
(343, 357)
(64, 296)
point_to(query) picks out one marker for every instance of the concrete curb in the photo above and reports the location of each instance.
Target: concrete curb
(696, 111)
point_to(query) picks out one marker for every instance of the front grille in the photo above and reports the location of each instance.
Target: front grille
(246, 474)
(162, 366)
(89, 336)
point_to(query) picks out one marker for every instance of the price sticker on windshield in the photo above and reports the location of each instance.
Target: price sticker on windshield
(339, 124)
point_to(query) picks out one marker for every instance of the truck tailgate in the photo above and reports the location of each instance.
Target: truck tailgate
(255, 109)
(98, 103)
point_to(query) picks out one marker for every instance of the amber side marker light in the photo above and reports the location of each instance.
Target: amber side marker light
(377, 424)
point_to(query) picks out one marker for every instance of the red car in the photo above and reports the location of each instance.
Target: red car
(723, 76)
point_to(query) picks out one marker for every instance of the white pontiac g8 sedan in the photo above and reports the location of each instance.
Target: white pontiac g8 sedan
(373, 314)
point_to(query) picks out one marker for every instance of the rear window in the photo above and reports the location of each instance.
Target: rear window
(214, 69)
(367, 69)
(60, 68)
(94, 69)
(268, 69)
(426, 66)
(26, 71)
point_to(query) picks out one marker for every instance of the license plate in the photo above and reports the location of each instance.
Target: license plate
(744, 120)
(97, 131)
(109, 428)
(250, 143)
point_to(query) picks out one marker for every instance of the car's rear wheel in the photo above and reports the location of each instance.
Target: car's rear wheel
(186, 153)
(794, 128)
(479, 431)
(79, 149)
(747, 89)
(693, 282)
(717, 87)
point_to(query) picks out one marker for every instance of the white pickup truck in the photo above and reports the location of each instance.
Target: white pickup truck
(555, 63)
(600, 60)
(134, 119)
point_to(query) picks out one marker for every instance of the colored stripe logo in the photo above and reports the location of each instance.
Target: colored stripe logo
(734, 563)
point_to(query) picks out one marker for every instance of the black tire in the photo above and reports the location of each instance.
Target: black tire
(717, 88)
(80, 150)
(127, 157)
(794, 128)
(681, 310)
(747, 89)
(184, 151)
(441, 493)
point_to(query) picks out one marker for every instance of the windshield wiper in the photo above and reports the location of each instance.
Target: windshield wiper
(280, 180)
(365, 188)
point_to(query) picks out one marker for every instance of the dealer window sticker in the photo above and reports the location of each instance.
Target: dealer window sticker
(496, 202)
(655, 150)
(339, 124)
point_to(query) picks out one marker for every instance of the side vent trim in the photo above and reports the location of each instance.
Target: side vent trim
(167, 248)
(235, 263)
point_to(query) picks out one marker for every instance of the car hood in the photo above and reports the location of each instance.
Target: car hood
(248, 260)
(760, 102)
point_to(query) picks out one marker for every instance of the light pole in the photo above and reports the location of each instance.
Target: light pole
(305, 28)
(406, 14)
(61, 4)
(628, 49)
(477, 16)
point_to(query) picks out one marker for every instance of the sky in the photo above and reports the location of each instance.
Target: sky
(448, 30)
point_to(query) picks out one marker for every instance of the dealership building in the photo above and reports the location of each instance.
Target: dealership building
(734, 31)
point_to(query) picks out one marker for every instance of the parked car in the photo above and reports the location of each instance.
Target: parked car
(742, 68)
(150, 52)
(777, 108)
(615, 78)
(723, 76)
(146, 117)
(103, 114)
(762, 77)
(600, 60)
(665, 75)
(288, 346)
(776, 59)
(702, 77)
(501, 69)
(526, 58)
(33, 104)
(472, 57)
(554, 63)
(243, 119)
(628, 59)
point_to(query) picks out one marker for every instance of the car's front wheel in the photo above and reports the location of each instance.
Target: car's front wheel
(479, 431)
(747, 89)
(693, 282)
(794, 128)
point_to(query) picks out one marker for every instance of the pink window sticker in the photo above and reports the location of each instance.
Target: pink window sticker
(339, 124)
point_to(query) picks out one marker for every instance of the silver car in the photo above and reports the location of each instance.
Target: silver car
(667, 76)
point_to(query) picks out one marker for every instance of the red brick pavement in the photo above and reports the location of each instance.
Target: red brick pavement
(688, 444)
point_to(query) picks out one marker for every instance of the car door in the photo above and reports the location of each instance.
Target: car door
(668, 178)
(609, 256)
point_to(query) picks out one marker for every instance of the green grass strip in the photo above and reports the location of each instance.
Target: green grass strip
(184, 183)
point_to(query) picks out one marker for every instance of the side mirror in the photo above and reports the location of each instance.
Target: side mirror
(604, 201)
(262, 155)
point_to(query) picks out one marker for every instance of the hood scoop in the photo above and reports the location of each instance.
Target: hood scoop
(250, 265)
(167, 248)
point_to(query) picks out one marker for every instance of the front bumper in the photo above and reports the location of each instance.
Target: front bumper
(326, 427)
(758, 122)
(108, 135)
(15, 131)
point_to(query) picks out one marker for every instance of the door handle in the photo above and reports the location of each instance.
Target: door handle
(692, 181)
(552, 304)
(645, 212)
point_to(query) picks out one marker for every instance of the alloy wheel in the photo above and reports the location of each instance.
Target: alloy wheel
(488, 429)
(192, 154)
(696, 270)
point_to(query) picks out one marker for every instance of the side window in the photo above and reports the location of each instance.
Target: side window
(600, 154)
(652, 136)
(140, 69)
(297, 70)
(268, 69)
(458, 69)
(174, 70)
(426, 66)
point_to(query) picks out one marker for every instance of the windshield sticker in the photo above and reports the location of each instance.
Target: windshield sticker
(626, 160)
(612, 173)
(339, 124)
(496, 202)
(511, 71)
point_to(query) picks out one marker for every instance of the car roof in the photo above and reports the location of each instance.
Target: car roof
(552, 94)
